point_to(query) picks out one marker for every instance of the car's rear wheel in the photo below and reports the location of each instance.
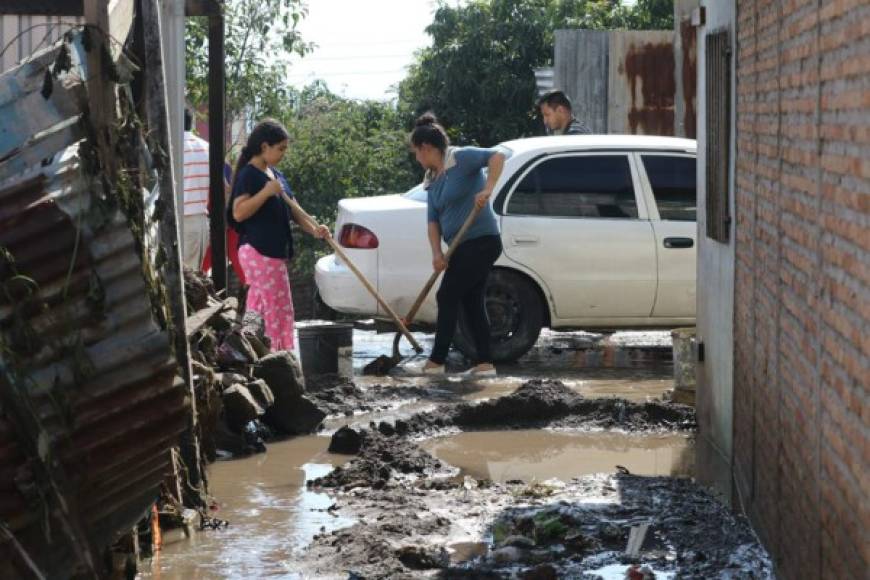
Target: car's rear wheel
(516, 315)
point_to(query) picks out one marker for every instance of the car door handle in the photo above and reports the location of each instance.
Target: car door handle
(679, 242)
(524, 240)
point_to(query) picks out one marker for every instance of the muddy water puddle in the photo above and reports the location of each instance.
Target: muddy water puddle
(538, 455)
(271, 513)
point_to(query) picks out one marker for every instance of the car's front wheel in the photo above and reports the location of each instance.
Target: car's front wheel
(516, 315)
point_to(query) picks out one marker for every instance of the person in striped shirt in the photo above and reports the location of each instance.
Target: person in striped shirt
(195, 196)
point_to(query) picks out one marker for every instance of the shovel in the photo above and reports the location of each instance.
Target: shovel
(384, 364)
(403, 330)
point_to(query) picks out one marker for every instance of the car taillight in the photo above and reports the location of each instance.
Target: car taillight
(354, 236)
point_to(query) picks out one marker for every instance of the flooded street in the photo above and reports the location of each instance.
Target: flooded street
(503, 456)
(277, 523)
(272, 516)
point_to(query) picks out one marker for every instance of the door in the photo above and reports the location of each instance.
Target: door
(670, 182)
(576, 220)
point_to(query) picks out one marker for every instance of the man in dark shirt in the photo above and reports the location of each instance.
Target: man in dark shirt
(555, 107)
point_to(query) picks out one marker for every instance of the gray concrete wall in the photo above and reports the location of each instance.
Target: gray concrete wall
(715, 310)
(581, 70)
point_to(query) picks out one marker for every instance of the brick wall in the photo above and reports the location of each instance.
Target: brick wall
(802, 304)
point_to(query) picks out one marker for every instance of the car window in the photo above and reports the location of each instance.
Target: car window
(673, 184)
(594, 186)
(417, 193)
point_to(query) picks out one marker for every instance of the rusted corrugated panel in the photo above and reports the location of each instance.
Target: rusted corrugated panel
(642, 85)
(84, 360)
(686, 62)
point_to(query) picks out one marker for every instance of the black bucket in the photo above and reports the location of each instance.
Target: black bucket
(326, 348)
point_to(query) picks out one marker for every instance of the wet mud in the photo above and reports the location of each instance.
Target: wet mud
(517, 477)
(549, 403)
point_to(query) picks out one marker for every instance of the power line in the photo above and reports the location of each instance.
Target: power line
(346, 74)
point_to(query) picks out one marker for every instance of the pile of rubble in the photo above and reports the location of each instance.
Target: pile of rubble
(246, 393)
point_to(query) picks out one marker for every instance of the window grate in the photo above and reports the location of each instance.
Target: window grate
(718, 124)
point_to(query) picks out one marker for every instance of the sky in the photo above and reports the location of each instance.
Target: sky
(364, 46)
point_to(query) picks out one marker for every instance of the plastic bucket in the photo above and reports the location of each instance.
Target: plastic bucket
(326, 348)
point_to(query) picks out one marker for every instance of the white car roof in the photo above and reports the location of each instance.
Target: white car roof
(575, 142)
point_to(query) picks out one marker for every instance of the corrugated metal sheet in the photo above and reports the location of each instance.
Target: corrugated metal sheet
(543, 80)
(580, 69)
(91, 403)
(642, 86)
(22, 36)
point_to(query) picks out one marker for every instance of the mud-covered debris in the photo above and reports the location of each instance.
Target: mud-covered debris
(261, 393)
(346, 441)
(240, 407)
(422, 558)
(197, 288)
(236, 351)
(283, 373)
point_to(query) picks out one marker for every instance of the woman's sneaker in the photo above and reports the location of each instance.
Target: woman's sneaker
(474, 373)
(419, 368)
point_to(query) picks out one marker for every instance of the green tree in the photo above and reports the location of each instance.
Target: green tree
(260, 36)
(341, 148)
(478, 75)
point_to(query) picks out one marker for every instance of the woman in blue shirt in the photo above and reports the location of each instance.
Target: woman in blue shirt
(260, 210)
(455, 183)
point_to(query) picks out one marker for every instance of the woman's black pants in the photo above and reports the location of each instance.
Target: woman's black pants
(464, 285)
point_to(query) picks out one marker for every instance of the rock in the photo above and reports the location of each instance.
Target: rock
(259, 347)
(240, 407)
(207, 344)
(294, 417)
(419, 558)
(386, 429)
(230, 379)
(519, 542)
(222, 321)
(402, 427)
(261, 393)
(346, 441)
(507, 555)
(283, 373)
(542, 572)
(236, 351)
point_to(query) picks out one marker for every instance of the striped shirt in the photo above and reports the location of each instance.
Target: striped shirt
(195, 175)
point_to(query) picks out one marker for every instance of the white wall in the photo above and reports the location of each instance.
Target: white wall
(715, 314)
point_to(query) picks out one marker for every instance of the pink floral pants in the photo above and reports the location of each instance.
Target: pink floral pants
(269, 295)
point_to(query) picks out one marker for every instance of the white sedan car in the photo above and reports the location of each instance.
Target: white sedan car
(598, 232)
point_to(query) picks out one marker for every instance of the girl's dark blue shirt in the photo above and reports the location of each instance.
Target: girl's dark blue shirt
(268, 230)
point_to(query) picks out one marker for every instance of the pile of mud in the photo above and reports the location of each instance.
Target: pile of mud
(381, 458)
(549, 403)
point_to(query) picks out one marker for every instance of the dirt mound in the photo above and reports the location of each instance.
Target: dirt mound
(380, 459)
(540, 403)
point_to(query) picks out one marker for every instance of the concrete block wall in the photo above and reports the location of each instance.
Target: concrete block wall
(802, 282)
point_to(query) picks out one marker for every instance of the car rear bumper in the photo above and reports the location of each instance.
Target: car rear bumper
(340, 289)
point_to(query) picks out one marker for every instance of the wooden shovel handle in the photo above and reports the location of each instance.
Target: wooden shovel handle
(368, 285)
